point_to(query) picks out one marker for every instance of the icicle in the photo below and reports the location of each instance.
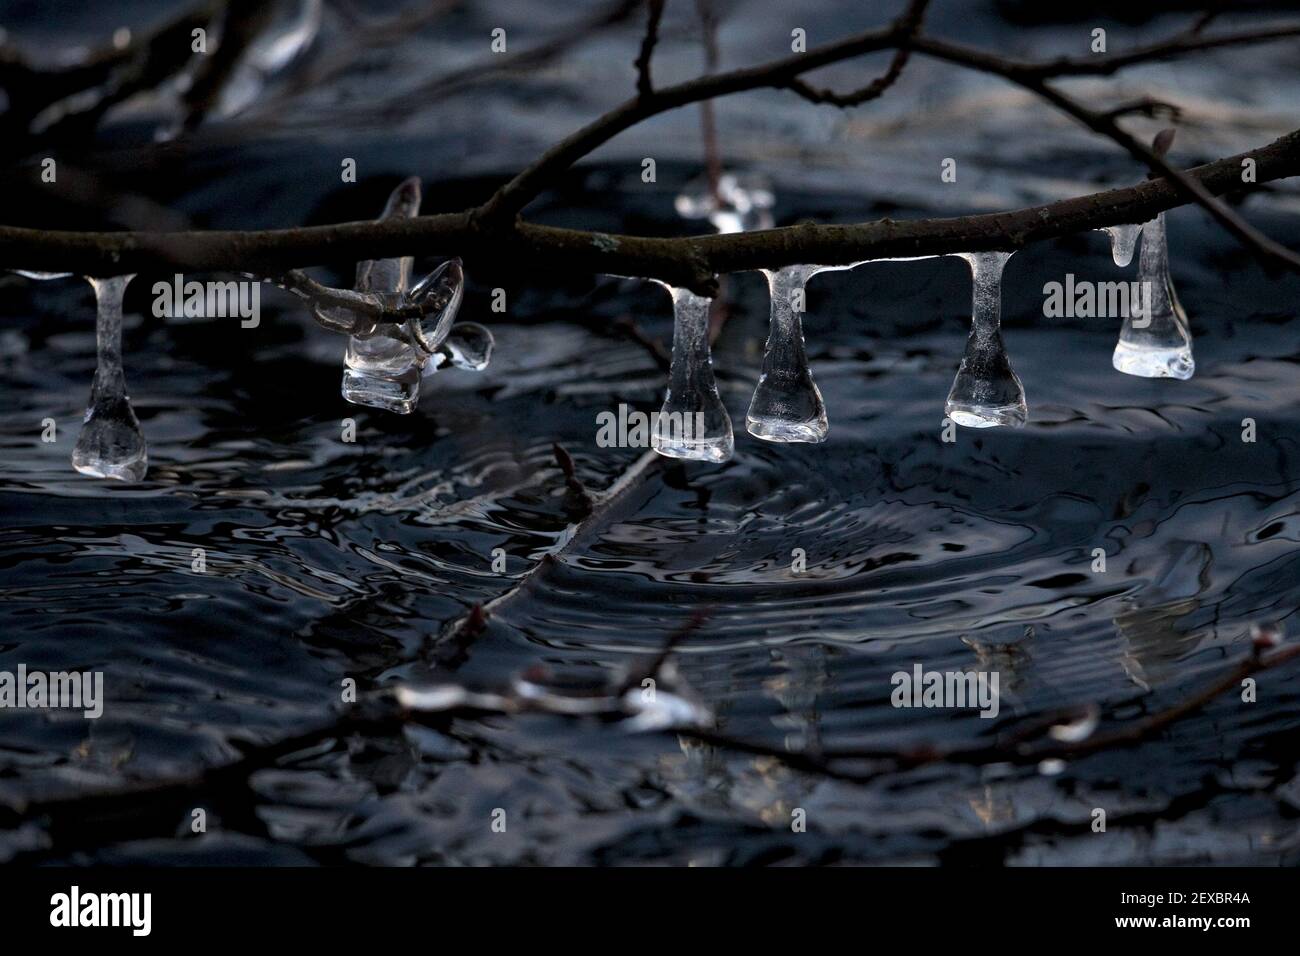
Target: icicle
(1156, 343)
(986, 391)
(787, 406)
(111, 443)
(742, 204)
(1123, 240)
(693, 422)
(382, 370)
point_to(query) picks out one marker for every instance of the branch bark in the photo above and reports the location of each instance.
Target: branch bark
(690, 262)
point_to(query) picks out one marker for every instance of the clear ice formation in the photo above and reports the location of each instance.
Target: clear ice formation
(384, 365)
(111, 443)
(986, 391)
(468, 345)
(443, 289)
(787, 406)
(1123, 240)
(742, 204)
(693, 422)
(1158, 345)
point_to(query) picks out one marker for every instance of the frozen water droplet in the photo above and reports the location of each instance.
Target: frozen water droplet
(986, 391)
(787, 407)
(693, 422)
(1123, 240)
(468, 346)
(111, 443)
(1157, 343)
(383, 371)
(742, 204)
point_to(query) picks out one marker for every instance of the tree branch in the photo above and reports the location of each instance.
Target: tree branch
(689, 262)
(1273, 254)
(694, 262)
(511, 198)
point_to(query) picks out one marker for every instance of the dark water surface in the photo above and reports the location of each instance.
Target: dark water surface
(328, 560)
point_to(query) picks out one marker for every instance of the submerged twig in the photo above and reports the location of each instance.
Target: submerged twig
(452, 644)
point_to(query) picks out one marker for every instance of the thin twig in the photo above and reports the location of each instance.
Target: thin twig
(1271, 253)
(907, 26)
(452, 644)
(511, 198)
(644, 82)
(708, 117)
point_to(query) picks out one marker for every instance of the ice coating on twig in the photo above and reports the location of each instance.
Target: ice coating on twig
(382, 370)
(787, 406)
(742, 203)
(111, 443)
(383, 367)
(1156, 343)
(693, 422)
(986, 391)
(442, 289)
(1123, 240)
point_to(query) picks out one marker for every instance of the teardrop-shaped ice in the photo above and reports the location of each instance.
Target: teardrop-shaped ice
(693, 422)
(1155, 341)
(1123, 240)
(787, 406)
(383, 371)
(468, 346)
(111, 443)
(986, 391)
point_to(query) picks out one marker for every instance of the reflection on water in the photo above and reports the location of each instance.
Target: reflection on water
(326, 560)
